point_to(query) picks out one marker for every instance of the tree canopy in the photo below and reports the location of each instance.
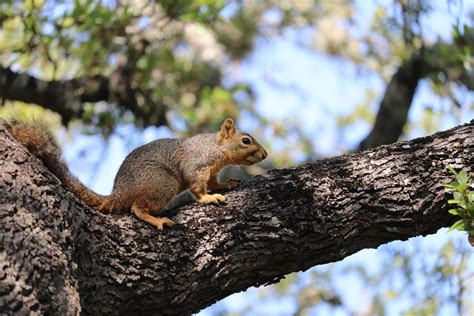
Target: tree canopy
(97, 66)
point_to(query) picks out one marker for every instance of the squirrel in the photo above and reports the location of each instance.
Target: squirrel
(152, 174)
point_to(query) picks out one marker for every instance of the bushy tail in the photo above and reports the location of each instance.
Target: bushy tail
(42, 143)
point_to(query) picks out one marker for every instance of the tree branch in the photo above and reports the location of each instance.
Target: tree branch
(393, 111)
(67, 97)
(57, 250)
(396, 102)
(63, 97)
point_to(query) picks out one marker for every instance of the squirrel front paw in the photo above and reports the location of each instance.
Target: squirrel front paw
(211, 198)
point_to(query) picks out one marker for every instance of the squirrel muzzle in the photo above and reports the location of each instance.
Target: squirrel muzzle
(259, 155)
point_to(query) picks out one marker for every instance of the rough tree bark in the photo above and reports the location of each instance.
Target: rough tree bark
(60, 257)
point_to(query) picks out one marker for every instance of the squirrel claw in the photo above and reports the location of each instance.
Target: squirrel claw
(164, 221)
(211, 198)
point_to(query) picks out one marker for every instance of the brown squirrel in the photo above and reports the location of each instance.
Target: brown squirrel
(152, 174)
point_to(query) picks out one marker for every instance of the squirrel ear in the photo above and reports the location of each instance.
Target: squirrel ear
(227, 129)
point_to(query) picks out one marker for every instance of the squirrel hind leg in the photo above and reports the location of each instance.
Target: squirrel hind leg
(155, 199)
(143, 213)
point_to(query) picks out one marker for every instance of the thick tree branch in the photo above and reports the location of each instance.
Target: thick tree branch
(67, 97)
(398, 96)
(396, 102)
(56, 251)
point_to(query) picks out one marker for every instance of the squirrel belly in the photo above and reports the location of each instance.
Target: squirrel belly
(152, 174)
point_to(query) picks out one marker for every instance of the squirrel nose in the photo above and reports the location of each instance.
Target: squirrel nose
(264, 154)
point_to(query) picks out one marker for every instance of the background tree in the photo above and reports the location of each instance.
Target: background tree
(106, 65)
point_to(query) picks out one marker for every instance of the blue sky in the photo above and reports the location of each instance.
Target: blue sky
(313, 89)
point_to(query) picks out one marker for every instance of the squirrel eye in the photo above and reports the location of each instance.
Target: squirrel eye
(246, 141)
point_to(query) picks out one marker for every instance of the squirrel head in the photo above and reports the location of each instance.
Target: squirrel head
(240, 148)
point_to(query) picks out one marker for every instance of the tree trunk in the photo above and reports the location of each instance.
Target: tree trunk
(58, 256)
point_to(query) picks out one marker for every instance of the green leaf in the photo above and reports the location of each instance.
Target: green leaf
(461, 188)
(470, 210)
(457, 225)
(453, 211)
(457, 196)
(462, 205)
(470, 196)
(452, 185)
(463, 177)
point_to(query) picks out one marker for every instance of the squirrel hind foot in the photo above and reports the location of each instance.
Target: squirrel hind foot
(144, 214)
(161, 221)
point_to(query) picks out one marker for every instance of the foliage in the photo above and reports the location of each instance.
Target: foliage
(164, 52)
(463, 200)
(180, 58)
(173, 58)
